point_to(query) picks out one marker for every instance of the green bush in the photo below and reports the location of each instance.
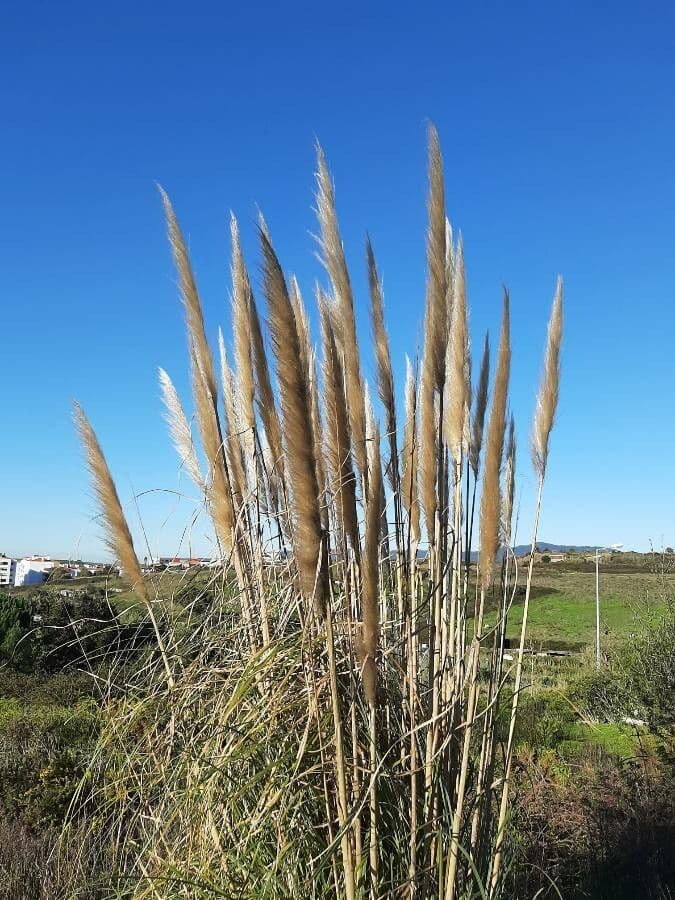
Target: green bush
(597, 693)
(645, 669)
(638, 680)
(43, 754)
(60, 689)
(544, 720)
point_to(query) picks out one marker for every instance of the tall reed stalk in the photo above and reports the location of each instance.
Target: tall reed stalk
(547, 403)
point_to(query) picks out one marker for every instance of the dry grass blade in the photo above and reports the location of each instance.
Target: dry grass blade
(297, 419)
(490, 500)
(370, 586)
(547, 401)
(179, 428)
(375, 506)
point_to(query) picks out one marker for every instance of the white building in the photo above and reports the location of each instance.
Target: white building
(7, 571)
(33, 570)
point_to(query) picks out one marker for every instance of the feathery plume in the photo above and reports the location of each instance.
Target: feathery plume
(190, 296)
(266, 402)
(547, 401)
(333, 258)
(543, 422)
(317, 433)
(234, 429)
(116, 535)
(180, 431)
(385, 375)
(302, 324)
(428, 447)
(297, 419)
(449, 263)
(373, 434)
(338, 445)
(480, 407)
(204, 386)
(241, 333)
(456, 398)
(509, 483)
(219, 488)
(435, 335)
(490, 499)
(436, 318)
(466, 425)
(410, 452)
(262, 224)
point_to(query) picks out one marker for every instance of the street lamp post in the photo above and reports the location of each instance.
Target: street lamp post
(597, 600)
(597, 609)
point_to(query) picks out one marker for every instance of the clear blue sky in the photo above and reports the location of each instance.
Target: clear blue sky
(558, 131)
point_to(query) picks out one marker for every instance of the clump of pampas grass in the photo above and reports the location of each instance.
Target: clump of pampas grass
(324, 722)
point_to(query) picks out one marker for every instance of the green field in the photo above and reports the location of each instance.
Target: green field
(562, 607)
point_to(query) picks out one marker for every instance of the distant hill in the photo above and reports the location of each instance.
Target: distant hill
(524, 549)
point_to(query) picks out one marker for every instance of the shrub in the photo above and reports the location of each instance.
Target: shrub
(43, 754)
(545, 719)
(645, 670)
(638, 680)
(600, 831)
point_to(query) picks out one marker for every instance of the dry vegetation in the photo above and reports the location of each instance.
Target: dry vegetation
(329, 726)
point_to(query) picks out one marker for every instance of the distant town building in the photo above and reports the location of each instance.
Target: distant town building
(181, 562)
(7, 571)
(33, 570)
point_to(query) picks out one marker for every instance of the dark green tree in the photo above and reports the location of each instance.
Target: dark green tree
(15, 625)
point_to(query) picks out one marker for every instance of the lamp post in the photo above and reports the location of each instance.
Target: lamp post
(597, 599)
